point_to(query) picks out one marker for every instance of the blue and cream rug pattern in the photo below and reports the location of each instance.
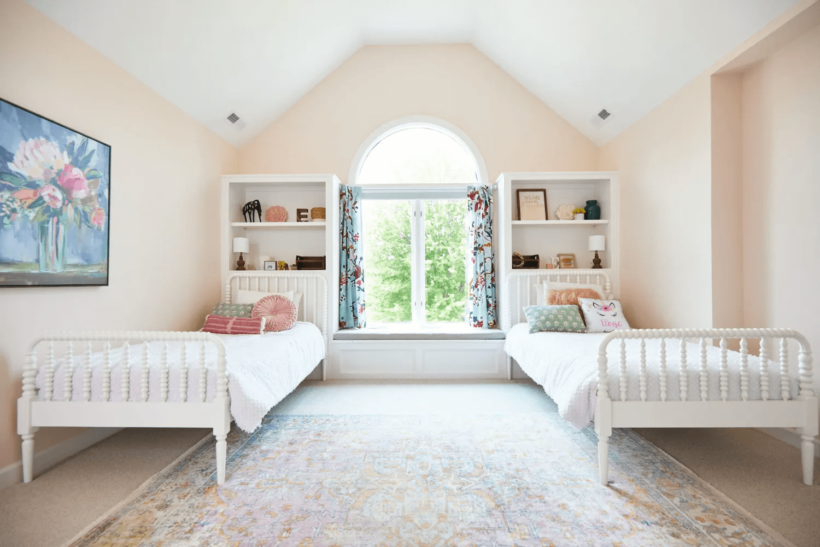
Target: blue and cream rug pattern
(523, 479)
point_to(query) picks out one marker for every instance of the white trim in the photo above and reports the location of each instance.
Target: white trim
(789, 436)
(48, 458)
(426, 122)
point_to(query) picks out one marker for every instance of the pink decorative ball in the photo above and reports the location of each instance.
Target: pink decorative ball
(277, 213)
(279, 312)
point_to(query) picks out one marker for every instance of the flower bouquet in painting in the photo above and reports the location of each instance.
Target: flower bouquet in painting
(54, 185)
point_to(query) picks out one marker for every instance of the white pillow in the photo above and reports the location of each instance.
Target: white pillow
(252, 297)
(603, 315)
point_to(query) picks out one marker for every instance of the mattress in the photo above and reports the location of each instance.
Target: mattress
(566, 366)
(262, 370)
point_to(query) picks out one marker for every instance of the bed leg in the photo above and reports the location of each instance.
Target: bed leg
(221, 457)
(603, 459)
(807, 453)
(28, 457)
(509, 368)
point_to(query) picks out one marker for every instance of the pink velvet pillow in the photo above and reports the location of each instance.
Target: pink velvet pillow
(279, 312)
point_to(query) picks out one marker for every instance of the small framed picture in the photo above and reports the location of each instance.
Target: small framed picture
(566, 261)
(270, 266)
(532, 204)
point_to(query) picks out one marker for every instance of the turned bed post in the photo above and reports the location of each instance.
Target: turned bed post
(603, 413)
(24, 427)
(222, 402)
(810, 430)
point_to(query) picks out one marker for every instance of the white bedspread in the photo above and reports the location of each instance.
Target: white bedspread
(566, 366)
(262, 370)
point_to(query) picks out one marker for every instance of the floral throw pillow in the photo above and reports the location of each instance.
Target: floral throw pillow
(554, 319)
(233, 310)
(603, 315)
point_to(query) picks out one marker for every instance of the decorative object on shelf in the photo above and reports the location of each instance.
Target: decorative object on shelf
(532, 204)
(565, 212)
(292, 267)
(593, 210)
(310, 262)
(251, 267)
(578, 213)
(282, 265)
(548, 266)
(54, 202)
(277, 213)
(555, 262)
(260, 261)
(270, 266)
(301, 215)
(566, 261)
(251, 209)
(525, 262)
(241, 245)
(597, 243)
(317, 214)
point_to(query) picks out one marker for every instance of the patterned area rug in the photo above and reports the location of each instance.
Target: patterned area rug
(427, 480)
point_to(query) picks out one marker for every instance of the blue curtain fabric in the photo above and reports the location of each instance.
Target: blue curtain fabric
(351, 260)
(481, 301)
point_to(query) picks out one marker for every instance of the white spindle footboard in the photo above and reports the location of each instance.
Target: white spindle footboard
(34, 412)
(799, 412)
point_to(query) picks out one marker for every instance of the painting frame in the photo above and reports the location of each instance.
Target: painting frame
(532, 211)
(63, 277)
(567, 261)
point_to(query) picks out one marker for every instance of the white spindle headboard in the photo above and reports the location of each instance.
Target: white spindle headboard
(521, 287)
(312, 285)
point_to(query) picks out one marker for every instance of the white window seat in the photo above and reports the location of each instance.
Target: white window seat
(407, 331)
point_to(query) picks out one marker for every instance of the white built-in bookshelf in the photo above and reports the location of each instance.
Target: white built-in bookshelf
(548, 238)
(279, 240)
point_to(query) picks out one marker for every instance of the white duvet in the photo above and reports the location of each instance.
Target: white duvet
(566, 366)
(262, 370)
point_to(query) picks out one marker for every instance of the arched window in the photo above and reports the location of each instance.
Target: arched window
(418, 151)
(414, 177)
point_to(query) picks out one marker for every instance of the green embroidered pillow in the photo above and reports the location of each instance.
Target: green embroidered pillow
(554, 319)
(233, 310)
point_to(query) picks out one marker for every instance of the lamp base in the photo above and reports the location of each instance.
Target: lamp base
(240, 264)
(596, 262)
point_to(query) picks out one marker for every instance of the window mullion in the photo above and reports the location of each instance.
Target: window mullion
(417, 261)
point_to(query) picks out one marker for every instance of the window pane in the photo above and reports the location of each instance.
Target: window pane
(418, 156)
(445, 244)
(386, 227)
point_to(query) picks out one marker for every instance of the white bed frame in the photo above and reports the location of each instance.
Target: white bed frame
(34, 412)
(619, 410)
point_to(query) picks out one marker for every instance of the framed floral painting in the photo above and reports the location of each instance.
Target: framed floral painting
(55, 202)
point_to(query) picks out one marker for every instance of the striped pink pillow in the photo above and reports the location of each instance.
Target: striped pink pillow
(279, 312)
(218, 324)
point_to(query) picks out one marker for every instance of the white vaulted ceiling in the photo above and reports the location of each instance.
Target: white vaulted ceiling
(258, 57)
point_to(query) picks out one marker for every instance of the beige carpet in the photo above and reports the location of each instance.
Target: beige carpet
(760, 473)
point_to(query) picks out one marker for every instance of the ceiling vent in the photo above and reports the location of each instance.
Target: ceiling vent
(603, 114)
(236, 121)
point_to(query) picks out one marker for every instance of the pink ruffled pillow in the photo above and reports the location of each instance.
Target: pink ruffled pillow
(279, 312)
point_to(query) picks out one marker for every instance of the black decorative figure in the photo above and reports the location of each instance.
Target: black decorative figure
(250, 208)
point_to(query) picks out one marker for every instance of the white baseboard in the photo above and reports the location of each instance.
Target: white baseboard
(790, 437)
(45, 459)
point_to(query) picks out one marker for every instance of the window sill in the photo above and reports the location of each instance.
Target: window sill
(412, 332)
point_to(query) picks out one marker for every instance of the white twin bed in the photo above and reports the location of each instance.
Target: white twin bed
(663, 378)
(174, 379)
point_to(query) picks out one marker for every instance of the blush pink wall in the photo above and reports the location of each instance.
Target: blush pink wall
(164, 201)
(513, 129)
(781, 189)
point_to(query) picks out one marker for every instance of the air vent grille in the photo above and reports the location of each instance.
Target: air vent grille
(233, 118)
(603, 114)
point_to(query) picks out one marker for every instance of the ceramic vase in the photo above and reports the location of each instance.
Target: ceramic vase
(593, 210)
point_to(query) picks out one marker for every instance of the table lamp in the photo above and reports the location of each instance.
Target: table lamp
(241, 245)
(597, 243)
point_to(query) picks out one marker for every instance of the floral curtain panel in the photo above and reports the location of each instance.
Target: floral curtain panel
(351, 260)
(481, 301)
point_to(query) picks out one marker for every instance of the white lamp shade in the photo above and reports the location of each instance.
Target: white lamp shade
(241, 245)
(597, 243)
